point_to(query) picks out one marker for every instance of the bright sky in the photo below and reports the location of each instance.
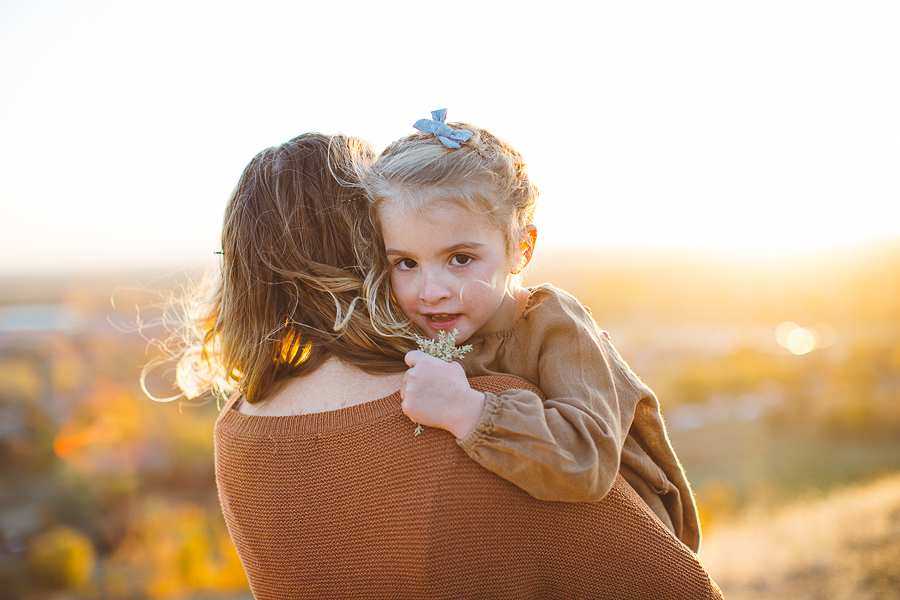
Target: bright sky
(757, 127)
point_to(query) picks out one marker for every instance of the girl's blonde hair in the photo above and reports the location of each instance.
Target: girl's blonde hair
(288, 295)
(486, 175)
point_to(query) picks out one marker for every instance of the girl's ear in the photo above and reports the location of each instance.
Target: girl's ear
(526, 247)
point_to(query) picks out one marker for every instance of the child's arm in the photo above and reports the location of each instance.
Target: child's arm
(569, 446)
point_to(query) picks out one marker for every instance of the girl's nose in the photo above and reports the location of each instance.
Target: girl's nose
(434, 288)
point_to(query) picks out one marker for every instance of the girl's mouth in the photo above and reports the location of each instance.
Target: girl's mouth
(442, 321)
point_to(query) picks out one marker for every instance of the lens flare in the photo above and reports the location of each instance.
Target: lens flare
(795, 339)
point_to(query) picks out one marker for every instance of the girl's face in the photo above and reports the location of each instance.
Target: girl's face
(449, 269)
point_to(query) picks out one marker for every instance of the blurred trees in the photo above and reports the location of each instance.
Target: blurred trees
(61, 558)
(103, 493)
(701, 328)
(106, 494)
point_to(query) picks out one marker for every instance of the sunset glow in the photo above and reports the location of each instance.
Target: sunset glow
(758, 129)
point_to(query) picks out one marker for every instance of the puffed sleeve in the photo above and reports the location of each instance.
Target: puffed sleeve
(568, 447)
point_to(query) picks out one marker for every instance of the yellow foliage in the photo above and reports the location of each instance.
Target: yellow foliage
(67, 368)
(20, 380)
(716, 500)
(108, 427)
(61, 558)
(182, 550)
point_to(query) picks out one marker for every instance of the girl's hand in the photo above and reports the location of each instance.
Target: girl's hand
(436, 393)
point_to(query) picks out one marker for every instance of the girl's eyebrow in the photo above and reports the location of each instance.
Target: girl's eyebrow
(448, 250)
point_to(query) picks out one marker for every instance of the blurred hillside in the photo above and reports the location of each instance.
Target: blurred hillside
(778, 379)
(843, 546)
(852, 286)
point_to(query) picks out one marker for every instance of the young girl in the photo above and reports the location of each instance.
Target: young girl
(454, 207)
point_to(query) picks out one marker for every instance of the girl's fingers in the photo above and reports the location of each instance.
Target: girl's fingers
(412, 357)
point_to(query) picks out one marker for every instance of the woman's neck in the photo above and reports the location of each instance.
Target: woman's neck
(332, 386)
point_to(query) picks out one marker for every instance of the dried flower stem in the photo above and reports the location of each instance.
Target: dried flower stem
(443, 348)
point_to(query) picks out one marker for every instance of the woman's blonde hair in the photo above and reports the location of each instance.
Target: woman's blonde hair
(486, 175)
(288, 295)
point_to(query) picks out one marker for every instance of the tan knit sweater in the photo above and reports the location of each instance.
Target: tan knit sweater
(598, 419)
(350, 504)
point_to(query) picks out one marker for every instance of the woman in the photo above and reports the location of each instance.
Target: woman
(325, 488)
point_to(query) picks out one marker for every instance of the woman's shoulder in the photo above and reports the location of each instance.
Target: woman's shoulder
(500, 383)
(240, 420)
(330, 398)
(333, 385)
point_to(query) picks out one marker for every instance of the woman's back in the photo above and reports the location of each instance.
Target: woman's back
(349, 503)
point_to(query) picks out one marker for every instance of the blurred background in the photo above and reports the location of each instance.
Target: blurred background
(719, 184)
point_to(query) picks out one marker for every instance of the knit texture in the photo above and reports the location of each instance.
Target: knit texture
(349, 504)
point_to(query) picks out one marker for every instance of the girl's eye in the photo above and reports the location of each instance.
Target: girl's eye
(406, 264)
(460, 259)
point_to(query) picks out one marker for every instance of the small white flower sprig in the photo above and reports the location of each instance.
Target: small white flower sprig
(444, 348)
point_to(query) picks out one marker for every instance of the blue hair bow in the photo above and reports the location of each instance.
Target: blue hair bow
(448, 136)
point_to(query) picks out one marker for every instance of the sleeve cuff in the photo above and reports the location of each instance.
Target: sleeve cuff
(485, 425)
